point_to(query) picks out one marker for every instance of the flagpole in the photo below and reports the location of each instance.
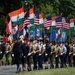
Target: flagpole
(69, 36)
(18, 31)
(44, 36)
(50, 33)
(61, 32)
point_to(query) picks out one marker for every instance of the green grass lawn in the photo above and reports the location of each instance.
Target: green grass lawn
(60, 71)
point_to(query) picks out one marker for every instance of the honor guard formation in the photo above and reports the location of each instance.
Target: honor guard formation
(49, 55)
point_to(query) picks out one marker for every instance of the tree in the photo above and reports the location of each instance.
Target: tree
(47, 7)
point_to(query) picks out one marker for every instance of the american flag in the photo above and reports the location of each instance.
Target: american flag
(36, 18)
(48, 22)
(26, 21)
(67, 24)
(59, 22)
(45, 23)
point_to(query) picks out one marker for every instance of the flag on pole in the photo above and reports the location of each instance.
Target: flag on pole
(36, 18)
(41, 22)
(67, 24)
(52, 36)
(32, 33)
(23, 33)
(15, 31)
(63, 37)
(7, 25)
(58, 33)
(71, 26)
(38, 33)
(4, 39)
(63, 20)
(48, 22)
(45, 23)
(26, 18)
(59, 22)
(17, 16)
(53, 27)
(31, 15)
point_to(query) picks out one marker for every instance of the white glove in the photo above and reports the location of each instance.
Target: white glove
(39, 54)
(24, 56)
(12, 55)
(69, 53)
(34, 51)
(29, 54)
(56, 56)
(61, 53)
(0, 52)
(51, 52)
(7, 51)
(46, 54)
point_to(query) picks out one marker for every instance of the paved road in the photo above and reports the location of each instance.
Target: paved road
(7, 70)
(11, 69)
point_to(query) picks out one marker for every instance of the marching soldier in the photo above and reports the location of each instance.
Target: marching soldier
(8, 51)
(12, 55)
(67, 53)
(17, 52)
(57, 53)
(1, 54)
(52, 55)
(70, 55)
(47, 54)
(30, 54)
(74, 55)
(35, 54)
(3, 49)
(62, 55)
(41, 55)
(25, 49)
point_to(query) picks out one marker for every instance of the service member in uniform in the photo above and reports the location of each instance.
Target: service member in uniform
(1, 61)
(35, 54)
(67, 53)
(57, 53)
(30, 54)
(74, 55)
(70, 55)
(25, 49)
(63, 51)
(41, 55)
(52, 55)
(7, 54)
(47, 54)
(17, 52)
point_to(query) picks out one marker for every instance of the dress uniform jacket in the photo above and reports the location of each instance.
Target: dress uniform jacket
(25, 49)
(17, 50)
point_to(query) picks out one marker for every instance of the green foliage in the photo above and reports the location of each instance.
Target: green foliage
(2, 24)
(47, 7)
(63, 71)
